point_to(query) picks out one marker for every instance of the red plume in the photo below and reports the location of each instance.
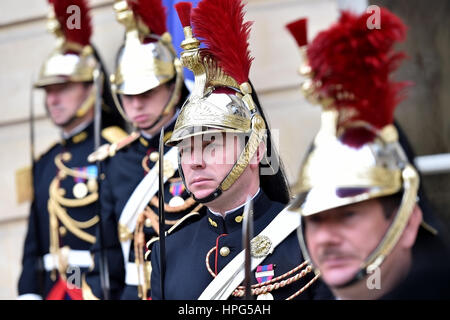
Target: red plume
(219, 23)
(67, 20)
(351, 58)
(152, 14)
(184, 12)
(298, 29)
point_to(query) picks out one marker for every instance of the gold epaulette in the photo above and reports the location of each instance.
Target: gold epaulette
(109, 150)
(24, 179)
(114, 134)
(24, 184)
(175, 227)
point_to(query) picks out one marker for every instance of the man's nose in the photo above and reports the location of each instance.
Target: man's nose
(196, 159)
(324, 232)
(52, 98)
(135, 102)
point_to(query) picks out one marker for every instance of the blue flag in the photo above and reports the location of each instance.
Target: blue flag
(176, 30)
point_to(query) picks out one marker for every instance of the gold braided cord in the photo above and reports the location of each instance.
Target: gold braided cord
(270, 285)
(72, 224)
(71, 203)
(239, 292)
(70, 172)
(306, 286)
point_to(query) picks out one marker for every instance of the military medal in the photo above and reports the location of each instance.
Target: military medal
(265, 296)
(176, 189)
(80, 190)
(92, 182)
(264, 273)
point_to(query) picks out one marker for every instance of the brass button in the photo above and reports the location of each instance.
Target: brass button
(224, 251)
(238, 219)
(62, 231)
(154, 156)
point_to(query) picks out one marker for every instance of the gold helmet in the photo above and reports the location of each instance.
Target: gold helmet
(221, 100)
(73, 59)
(356, 154)
(147, 59)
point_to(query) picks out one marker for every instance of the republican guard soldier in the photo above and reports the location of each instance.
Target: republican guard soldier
(227, 160)
(148, 85)
(64, 212)
(362, 226)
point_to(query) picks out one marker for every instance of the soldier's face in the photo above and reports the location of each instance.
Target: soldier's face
(63, 100)
(145, 108)
(207, 159)
(339, 240)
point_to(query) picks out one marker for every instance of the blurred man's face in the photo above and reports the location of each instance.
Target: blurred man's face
(339, 240)
(145, 108)
(206, 160)
(64, 99)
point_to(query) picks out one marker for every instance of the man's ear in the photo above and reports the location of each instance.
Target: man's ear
(412, 228)
(258, 156)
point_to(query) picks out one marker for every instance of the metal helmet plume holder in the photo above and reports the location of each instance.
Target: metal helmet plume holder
(141, 65)
(207, 111)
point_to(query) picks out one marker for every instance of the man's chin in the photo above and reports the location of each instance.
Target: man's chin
(337, 277)
(200, 194)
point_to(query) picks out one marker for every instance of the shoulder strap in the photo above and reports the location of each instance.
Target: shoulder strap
(109, 150)
(140, 197)
(233, 274)
(114, 134)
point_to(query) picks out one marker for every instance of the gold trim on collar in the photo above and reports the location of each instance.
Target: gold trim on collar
(143, 141)
(80, 137)
(212, 222)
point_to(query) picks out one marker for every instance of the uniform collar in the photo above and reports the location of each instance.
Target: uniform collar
(152, 141)
(78, 134)
(237, 208)
(233, 220)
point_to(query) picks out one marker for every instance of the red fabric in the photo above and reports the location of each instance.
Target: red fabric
(80, 35)
(217, 250)
(184, 12)
(60, 289)
(349, 57)
(152, 14)
(219, 25)
(298, 29)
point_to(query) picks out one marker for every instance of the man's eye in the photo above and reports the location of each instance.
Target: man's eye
(348, 214)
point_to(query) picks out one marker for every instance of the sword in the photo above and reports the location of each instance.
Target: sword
(103, 265)
(40, 260)
(247, 235)
(162, 235)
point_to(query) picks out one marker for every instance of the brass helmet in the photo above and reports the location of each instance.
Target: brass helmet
(73, 59)
(356, 154)
(221, 100)
(147, 58)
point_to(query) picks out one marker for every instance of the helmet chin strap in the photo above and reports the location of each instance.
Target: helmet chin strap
(256, 137)
(392, 235)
